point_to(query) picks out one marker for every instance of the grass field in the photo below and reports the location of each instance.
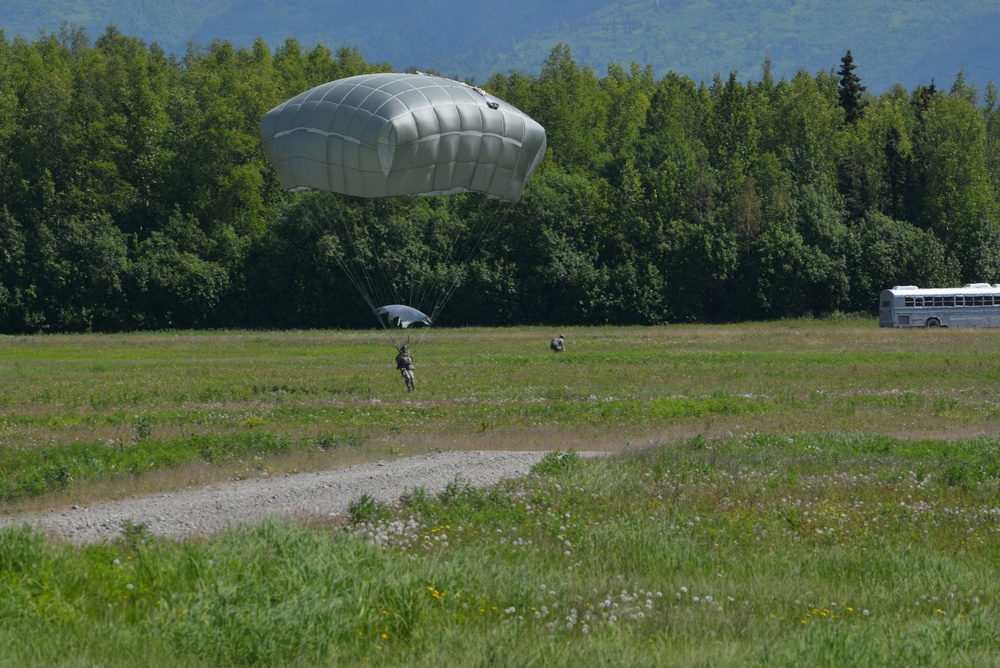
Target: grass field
(780, 493)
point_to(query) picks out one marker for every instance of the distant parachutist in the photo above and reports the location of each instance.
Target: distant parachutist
(404, 364)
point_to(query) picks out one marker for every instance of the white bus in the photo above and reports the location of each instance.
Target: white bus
(972, 305)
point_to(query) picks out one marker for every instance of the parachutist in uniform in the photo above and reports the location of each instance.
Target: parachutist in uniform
(404, 363)
(558, 344)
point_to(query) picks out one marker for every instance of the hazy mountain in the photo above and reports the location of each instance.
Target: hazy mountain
(892, 42)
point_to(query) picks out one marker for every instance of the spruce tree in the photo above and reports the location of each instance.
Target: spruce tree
(851, 90)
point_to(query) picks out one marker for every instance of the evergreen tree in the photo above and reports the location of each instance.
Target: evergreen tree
(923, 97)
(851, 90)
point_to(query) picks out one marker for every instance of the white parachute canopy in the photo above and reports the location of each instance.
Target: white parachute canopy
(400, 315)
(387, 134)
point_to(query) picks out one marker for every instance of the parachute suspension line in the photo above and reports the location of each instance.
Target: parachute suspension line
(421, 290)
(368, 271)
(463, 247)
(409, 292)
(391, 293)
(414, 289)
(412, 293)
(358, 274)
(375, 283)
(483, 230)
(378, 278)
(374, 278)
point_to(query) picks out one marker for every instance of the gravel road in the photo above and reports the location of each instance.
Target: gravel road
(216, 507)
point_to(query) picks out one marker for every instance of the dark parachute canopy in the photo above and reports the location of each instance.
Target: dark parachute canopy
(399, 315)
(391, 134)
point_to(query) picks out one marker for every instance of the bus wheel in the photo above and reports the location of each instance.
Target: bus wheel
(932, 322)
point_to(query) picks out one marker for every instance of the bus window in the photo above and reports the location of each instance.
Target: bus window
(948, 301)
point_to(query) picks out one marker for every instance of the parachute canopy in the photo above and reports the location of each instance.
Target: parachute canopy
(380, 135)
(399, 315)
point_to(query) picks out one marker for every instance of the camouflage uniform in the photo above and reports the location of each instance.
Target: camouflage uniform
(404, 362)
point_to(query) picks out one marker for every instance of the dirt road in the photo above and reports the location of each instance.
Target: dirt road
(213, 508)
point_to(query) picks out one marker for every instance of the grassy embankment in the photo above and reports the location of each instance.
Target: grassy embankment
(785, 493)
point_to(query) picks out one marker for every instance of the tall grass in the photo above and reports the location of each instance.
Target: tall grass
(757, 550)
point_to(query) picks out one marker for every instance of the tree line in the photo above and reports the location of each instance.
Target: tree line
(134, 194)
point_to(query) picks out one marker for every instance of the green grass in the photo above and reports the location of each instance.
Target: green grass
(777, 494)
(759, 550)
(76, 408)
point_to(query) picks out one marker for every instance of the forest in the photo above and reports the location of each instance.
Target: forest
(135, 195)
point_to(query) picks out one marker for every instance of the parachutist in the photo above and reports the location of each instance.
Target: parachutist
(558, 344)
(404, 363)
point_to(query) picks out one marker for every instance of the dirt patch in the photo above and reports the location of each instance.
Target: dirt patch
(324, 494)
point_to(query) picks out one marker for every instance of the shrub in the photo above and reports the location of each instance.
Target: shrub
(366, 509)
(556, 462)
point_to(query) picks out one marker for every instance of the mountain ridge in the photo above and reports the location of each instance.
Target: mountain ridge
(892, 43)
